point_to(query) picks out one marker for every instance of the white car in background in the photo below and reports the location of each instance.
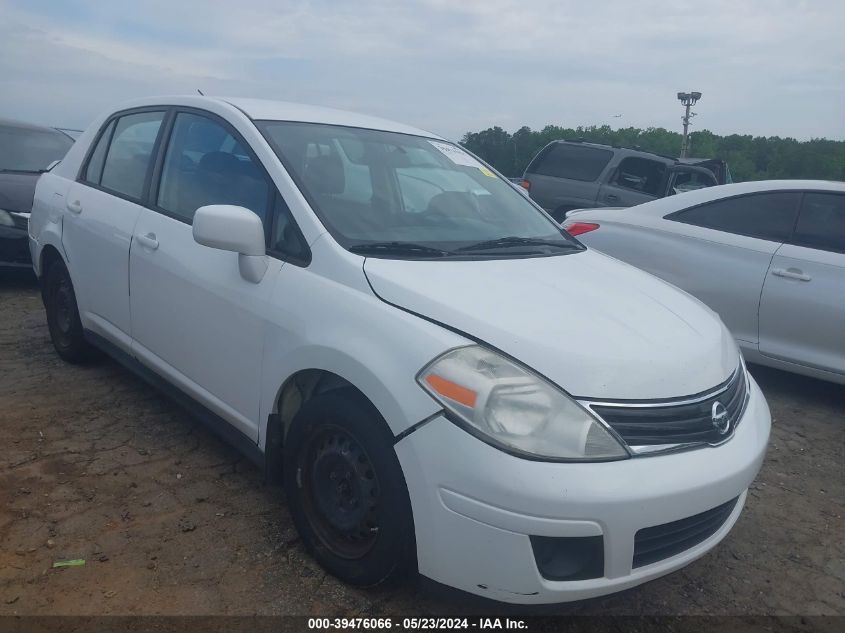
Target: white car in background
(768, 257)
(445, 379)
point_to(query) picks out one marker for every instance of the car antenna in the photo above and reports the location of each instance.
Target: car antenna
(200, 91)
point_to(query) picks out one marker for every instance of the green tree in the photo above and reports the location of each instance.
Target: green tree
(750, 158)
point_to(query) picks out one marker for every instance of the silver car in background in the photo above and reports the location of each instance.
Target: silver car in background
(768, 256)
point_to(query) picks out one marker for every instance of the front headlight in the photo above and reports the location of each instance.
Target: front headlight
(515, 409)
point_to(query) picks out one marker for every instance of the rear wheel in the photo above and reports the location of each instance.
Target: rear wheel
(346, 491)
(63, 316)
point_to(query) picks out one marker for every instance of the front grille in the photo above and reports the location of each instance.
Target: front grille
(685, 421)
(652, 544)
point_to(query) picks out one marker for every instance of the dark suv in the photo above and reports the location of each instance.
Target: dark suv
(567, 175)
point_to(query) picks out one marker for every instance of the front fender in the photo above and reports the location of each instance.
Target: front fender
(349, 332)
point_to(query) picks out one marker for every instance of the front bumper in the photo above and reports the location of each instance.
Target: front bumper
(475, 507)
(14, 247)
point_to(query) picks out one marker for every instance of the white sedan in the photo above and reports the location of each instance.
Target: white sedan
(768, 256)
(375, 315)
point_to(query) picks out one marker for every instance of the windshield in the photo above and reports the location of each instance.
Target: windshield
(396, 195)
(25, 149)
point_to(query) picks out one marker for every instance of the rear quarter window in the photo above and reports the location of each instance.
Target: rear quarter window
(94, 169)
(575, 162)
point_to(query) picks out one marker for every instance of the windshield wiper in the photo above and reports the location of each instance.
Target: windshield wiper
(513, 240)
(398, 248)
(23, 171)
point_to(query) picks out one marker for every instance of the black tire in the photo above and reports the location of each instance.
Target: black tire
(63, 316)
(346, 491)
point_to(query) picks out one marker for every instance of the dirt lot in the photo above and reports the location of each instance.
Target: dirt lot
(97, 465)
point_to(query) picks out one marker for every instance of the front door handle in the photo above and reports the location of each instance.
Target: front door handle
(149, 240)
(74, 206)
(791, 273)
(611, 197)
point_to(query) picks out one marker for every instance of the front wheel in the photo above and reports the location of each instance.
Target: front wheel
(346, 491)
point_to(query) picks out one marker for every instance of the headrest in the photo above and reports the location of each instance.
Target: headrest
(453, 204)
(219, 162)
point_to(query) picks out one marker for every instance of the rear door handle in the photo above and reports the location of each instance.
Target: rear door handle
(611, 197)
(791, 273)
(149, 240)
(74, 206)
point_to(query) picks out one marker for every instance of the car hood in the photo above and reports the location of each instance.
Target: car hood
(17, 190)
(596, 327)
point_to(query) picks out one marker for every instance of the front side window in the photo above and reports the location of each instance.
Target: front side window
(576, 162)
(640, 174)
(821, 223)
(128, 157)
(285, 237)
(205, 164)
(683, 181)
(397, 195)
(25, 149)
(768, 216)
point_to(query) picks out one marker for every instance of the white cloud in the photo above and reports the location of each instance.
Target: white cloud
(765, 67)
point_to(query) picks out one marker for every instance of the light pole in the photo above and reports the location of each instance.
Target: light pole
(687, 99)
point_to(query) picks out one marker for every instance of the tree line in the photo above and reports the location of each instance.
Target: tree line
(749, 157)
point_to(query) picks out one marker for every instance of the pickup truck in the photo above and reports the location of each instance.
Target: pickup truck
(567, 175)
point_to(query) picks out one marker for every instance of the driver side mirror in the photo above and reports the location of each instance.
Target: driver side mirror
(236, 229)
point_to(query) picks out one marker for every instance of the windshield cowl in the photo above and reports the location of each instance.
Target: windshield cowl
(483, 250)
(517, 242)
(398, 248)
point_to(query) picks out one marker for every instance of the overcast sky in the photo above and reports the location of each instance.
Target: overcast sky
(765, 67)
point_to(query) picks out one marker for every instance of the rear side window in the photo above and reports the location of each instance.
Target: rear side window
(640, 174)
(94, 170)
(563, 160)
(128, 155)
(821, 223)
(768, 216)
(205, 164)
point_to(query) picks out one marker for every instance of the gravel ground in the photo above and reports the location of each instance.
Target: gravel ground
(96, 465)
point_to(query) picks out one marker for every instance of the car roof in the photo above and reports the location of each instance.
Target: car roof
(669, 204)
(266, 109)
(23, 125)
(633, 151)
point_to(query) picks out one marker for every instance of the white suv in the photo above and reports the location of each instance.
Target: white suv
(444, 380)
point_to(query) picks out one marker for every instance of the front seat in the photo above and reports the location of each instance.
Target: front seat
(324, 175)
(211, 183)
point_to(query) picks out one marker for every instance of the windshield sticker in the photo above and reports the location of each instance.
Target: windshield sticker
(456, 154)
(486, 171)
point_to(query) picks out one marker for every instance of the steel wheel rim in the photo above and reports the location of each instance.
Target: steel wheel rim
(341, 492)
(63, 308)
